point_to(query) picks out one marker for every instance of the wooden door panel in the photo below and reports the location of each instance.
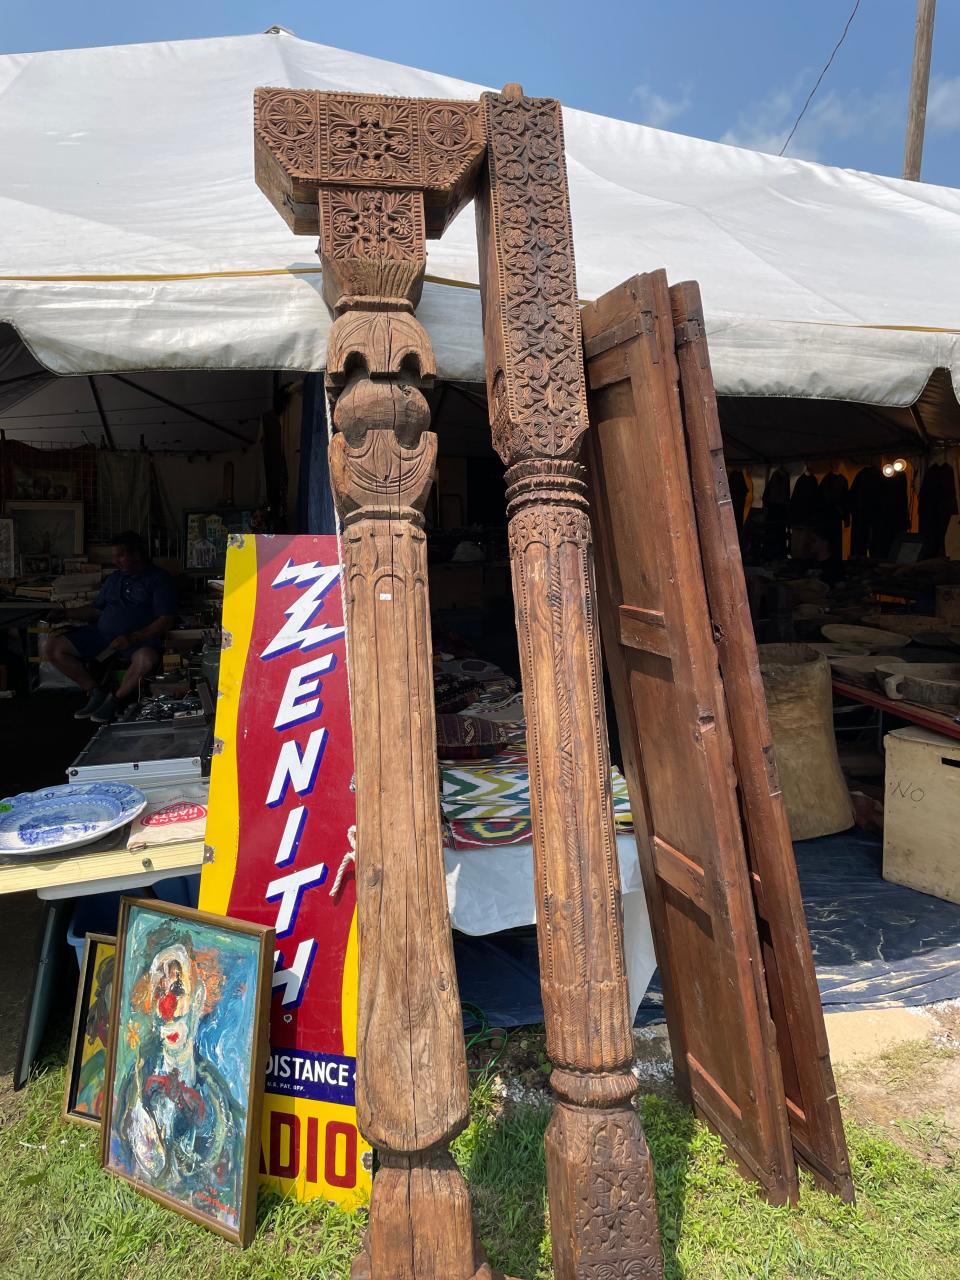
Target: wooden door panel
(815, 1122)
(678, 753)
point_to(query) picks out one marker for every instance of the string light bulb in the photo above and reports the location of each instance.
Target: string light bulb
(889, 469)
(899, 464)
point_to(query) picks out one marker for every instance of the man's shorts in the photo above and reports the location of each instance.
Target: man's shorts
(89, 643)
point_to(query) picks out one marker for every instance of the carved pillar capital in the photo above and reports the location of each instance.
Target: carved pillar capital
(373, 249)
(307, 139)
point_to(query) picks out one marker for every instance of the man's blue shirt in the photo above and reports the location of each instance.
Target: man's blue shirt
(129, 602)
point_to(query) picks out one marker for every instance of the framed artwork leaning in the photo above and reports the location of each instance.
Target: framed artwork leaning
(186, 1061)
(86, 1067)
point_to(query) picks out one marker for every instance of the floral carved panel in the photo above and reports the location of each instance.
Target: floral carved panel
(369, 139)
(362, 223)
(531, 317)
(289, 123)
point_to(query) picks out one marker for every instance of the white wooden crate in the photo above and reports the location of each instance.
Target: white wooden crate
(921, 814)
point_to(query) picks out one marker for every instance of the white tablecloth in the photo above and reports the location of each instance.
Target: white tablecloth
(492, 889)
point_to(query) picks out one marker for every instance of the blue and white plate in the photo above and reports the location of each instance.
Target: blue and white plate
(58, 818)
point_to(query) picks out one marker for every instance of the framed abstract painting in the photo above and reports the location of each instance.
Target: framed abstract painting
(86, 1068)
(187, 1059)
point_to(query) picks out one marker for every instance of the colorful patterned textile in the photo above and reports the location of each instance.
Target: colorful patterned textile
(480, 834)
(503, 791)
(485, 792)
(510, 753)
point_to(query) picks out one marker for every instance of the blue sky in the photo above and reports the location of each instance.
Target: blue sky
(732, 70)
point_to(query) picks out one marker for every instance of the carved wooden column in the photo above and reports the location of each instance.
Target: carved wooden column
(387, 173)
(600, 1183)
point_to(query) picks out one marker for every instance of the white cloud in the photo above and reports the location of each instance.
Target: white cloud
(655, 109)
(943, 104)
(830, 118)
(764, 125)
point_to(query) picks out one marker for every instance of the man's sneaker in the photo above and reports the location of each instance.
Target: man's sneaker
(106, 711)
(93, 704)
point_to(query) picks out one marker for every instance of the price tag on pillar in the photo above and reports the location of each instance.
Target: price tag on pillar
(280, 839)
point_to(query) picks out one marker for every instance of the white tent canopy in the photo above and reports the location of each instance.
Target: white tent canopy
(133, 236)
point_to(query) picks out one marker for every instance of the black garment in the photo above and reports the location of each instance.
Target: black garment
(737, 484)
(937, 502)
(835, 493)
(864, 505)
(893, 514)
(805, 503)
(835, 508)
(776, 511)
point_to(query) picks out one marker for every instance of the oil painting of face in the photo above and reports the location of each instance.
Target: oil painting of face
(184, 1056)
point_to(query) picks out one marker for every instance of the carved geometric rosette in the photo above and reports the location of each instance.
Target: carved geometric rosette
(288, 119)
(364, 138)
(535, 380)
(306, 139)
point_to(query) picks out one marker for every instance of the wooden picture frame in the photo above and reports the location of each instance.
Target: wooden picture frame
(173, 972)
(99, 948)
(206, 533)
(8, 557)
(68, 542)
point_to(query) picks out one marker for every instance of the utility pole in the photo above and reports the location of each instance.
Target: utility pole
(919, 83)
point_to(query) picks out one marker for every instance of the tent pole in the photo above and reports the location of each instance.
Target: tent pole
(919, 84)
(105, 426)
(182, 408)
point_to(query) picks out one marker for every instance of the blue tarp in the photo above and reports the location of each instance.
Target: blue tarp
(875, 944)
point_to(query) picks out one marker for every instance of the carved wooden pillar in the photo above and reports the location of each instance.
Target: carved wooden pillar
(600, 1183)
(386, 174)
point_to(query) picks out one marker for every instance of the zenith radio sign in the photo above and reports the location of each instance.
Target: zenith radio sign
(280, 844)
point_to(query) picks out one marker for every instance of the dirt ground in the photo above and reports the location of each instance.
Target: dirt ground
(912, 1089)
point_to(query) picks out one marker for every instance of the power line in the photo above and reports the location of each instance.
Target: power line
(843, 37)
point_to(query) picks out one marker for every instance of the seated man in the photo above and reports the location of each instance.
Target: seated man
(135, 609)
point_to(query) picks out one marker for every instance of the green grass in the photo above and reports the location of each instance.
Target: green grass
(62, 1217)
(905, 1064)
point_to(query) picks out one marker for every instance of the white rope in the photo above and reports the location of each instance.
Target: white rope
(348, 857)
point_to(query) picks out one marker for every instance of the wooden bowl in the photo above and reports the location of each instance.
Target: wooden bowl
(872, 638)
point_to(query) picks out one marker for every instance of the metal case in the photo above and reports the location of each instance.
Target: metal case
(146, 754)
